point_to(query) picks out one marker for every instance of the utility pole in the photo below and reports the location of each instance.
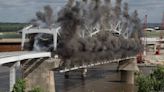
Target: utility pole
(160, 37)
(145, 36)
(141, 54)
(162, 24)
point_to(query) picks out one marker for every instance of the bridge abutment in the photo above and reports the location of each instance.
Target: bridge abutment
(127, 69)
(39, 74)
(127, 76)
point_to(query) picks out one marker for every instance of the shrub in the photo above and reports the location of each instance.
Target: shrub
(19, 86)
(36, 89)
(158, 76)
(144, 83)
(153, 82)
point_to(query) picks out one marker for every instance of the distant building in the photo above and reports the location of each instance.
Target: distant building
(157, 28)
(149, 29)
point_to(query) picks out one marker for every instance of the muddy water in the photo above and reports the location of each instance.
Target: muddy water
(4, 79)
(99, 79)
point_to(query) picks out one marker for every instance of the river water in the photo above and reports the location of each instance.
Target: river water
(99, 79)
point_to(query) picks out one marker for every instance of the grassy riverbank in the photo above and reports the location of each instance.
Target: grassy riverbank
(10, 30)
(11, 27)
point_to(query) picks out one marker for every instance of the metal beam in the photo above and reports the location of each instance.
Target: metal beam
(53, 31)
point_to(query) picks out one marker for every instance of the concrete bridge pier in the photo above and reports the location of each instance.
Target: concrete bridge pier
(13, 67)
(127, 69)
(39, 74)
(12, 76)
(127, 77)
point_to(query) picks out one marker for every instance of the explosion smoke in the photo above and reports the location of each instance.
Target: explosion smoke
(117, 8)
(79, 19)
(41, 41)
(102, 46)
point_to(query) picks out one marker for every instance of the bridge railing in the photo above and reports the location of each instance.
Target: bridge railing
(95, 64)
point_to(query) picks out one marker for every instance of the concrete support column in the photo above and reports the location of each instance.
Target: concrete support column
(51, 81)
(127, 69)
(13, 74)
(84, 72)
(12, 77)
(38, 73)
(127, 77)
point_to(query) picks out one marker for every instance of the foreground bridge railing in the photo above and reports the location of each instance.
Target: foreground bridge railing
(11, 57)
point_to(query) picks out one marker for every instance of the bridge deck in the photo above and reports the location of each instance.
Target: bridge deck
(95, 64)
(9, 57)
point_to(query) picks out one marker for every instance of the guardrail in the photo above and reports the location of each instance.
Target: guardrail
(95, 64)
(9, 57)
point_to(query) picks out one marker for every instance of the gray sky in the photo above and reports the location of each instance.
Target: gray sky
(24, 10)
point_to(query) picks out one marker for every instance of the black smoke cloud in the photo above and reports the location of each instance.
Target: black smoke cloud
(105, 45)
(78, 19)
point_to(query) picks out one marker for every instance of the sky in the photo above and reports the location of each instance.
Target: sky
(24, 10)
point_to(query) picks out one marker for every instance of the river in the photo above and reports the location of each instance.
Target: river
(102, 78)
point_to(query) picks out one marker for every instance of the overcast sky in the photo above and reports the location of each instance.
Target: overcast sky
(24, 10)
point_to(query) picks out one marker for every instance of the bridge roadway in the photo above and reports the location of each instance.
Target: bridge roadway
(9, 57)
